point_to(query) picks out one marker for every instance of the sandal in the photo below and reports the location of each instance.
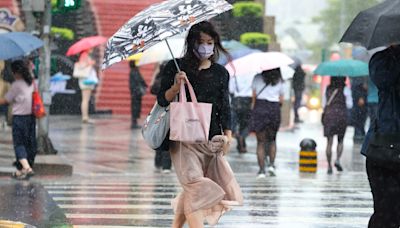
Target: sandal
(23, 174)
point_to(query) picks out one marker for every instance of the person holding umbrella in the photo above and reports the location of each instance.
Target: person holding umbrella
(23, 123)
(208, 190)
(383, 177)
(268, 91)
(87, 84)
(334, 119)
(372, 28)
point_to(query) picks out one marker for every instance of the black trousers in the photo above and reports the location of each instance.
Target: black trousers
(136, 106)
(242, 108)
(298, 94)
(385, 187)
(162, 159)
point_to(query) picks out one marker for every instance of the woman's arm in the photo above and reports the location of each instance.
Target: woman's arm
(225, 108)
(169, 90)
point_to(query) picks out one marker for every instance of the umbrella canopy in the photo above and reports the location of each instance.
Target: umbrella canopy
(258, 62)
(86, 44)
(236, 50)
(160, 52)
(18, 44)
(158, 22)
(342, 68)
(375, 27)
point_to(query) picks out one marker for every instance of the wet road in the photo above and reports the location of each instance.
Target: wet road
(115, 183)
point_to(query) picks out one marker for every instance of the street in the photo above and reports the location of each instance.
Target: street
(115, 184)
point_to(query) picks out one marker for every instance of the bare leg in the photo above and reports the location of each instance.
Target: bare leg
(25, 164)
(179, 221)
(85, 103)
(329, 153)
(261, 141)
(196, 219)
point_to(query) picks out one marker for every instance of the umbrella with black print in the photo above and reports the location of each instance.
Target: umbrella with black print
(158, 22)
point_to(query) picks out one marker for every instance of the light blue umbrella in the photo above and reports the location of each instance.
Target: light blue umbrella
(236, 50)
(342, 68)
(18, 44)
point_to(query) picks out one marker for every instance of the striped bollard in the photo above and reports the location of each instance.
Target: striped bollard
(308, 156)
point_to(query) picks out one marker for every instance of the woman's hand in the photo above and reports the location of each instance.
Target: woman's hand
(179, 77)
(174, 90)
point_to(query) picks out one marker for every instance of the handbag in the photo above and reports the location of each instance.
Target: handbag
(327, 105)
(81, 71)
(156, 126)
(189, 121)
(38, 109)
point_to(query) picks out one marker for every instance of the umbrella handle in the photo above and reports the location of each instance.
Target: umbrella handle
(173, 57)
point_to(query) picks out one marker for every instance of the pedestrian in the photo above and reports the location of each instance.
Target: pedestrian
(240, 88)
(209, 186)
(359, 111)
(23, 123)
(334, 119)
(268, 91)
(384, 69)
(87, 84)
(137, 88)
(298, 88)
(162, 158)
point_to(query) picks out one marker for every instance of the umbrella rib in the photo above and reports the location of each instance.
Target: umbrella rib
(375, 27)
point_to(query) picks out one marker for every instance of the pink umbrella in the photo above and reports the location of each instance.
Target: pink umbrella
(255, 63)
(86, 44)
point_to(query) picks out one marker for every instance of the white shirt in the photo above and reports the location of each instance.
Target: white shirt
(270, 93)
(240, 86)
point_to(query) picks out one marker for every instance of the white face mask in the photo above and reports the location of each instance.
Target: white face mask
(204, 51)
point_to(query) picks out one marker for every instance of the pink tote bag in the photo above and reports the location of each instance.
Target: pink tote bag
(189, 121)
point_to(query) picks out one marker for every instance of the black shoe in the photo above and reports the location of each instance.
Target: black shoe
(330, 171)
(338, 167)
(298, 121)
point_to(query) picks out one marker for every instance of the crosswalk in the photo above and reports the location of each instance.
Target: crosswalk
(283, 201)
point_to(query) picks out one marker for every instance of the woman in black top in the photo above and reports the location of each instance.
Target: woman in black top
(195, 164)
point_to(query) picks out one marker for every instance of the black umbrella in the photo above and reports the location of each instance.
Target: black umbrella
(375, 27)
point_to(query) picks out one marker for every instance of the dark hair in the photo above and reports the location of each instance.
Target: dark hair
(337, 82)
(132, 64)
(272, 77)
(21, 67)
(194, 36)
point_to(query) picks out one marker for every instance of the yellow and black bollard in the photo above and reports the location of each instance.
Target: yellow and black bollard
(308, 156)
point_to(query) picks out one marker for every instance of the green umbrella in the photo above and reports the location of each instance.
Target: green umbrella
(343, 67)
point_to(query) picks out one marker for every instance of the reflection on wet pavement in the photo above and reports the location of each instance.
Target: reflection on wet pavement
(115, 183)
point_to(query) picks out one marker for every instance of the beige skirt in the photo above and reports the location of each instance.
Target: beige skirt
(207, 180)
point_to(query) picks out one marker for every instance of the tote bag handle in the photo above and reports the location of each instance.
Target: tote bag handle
(182, 93)
(183, 98)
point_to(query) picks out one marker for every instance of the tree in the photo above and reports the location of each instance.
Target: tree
(337, 17)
